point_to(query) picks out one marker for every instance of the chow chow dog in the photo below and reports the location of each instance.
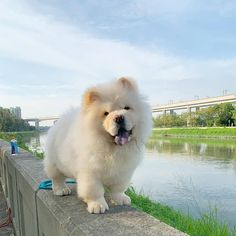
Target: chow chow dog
(100, 144)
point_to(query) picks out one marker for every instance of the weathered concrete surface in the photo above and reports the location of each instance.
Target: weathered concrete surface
(7, 230)
(49, 215)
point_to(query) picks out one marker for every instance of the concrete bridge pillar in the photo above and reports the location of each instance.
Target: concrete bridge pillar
(171, 112)
(37, 124)
(164, 112)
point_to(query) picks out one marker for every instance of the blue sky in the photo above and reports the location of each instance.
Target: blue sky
(52, 50)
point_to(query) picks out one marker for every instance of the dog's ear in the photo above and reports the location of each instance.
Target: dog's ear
(127, 83)
(90, 96)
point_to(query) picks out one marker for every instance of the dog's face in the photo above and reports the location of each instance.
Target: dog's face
(113, 110)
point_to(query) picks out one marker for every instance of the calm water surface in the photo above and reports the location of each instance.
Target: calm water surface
(189, 174)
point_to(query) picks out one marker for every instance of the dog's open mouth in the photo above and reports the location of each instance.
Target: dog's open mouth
(123, 136)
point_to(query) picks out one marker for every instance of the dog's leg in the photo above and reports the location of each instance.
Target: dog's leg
(58, 180)
(59, 187)
(118, 195)
(91, 190)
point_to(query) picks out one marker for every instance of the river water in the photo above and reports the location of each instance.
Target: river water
(191, 175)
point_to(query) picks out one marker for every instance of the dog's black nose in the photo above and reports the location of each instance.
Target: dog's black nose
(120, 120)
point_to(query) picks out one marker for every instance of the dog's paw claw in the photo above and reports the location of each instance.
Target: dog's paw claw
(64, 191)
(121, 199)
(97, 207)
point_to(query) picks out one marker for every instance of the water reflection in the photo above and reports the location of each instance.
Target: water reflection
(191, 175)
(222, 150)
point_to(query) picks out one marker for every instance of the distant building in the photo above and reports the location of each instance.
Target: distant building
(16, 111)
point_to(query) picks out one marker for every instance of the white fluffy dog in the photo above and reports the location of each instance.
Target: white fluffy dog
(100, 144)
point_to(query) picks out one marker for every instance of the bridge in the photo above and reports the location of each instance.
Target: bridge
(196, 104)
(188, 105)
(38, 120)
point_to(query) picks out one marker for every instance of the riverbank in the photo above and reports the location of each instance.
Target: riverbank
(196, 132)
(207, 225)
(22, 138)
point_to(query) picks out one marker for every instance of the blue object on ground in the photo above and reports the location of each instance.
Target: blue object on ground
(14, 147)
(47, 184)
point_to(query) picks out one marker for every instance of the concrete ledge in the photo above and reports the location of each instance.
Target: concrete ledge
(39, 212)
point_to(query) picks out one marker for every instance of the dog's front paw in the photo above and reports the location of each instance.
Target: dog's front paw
(61, 190)
(98, 206)
(121, 199)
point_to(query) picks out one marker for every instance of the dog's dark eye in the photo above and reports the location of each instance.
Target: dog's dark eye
(126, 107)
(106, 113)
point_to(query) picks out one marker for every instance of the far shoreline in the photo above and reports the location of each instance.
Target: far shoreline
(195, 132)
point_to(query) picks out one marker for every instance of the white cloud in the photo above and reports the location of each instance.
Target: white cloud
(38, 38)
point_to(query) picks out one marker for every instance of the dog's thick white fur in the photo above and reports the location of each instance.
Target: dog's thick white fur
(100, 144)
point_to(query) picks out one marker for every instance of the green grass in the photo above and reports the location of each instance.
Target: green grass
(206, 225)
(195, 132)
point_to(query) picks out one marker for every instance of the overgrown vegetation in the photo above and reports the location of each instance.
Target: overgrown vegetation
(196, 132)
(218, 115)
(207, 225)
(9, 122)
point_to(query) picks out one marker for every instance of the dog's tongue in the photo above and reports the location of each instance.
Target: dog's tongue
(122, 138)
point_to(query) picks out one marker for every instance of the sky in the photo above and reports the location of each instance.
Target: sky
(52, 50)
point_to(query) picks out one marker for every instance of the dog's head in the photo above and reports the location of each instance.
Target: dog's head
(116, 109)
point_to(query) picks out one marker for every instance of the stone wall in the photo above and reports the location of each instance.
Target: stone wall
(40, 213)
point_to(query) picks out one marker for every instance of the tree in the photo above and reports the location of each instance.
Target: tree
(169, 120)
(234, 116)
(224, 114)
(206, 117)
(218, 115)
(9, 122)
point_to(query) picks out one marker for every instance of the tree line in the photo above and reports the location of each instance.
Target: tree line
(9, 122)
(218, 115)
